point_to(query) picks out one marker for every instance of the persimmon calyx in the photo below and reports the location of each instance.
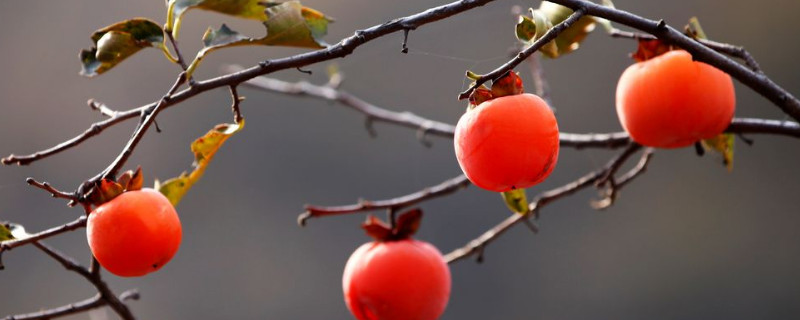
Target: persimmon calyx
(406, 226)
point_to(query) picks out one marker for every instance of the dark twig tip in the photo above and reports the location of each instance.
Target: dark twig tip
(303, 218)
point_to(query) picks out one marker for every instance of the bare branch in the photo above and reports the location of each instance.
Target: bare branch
(237, 114)
(53, 191)
(102, 108)
(444, 188)
(73, 308)
(11, 244)
(102, 288)
(729, 49)
(754, 125)
(477, 246)
(511, 64)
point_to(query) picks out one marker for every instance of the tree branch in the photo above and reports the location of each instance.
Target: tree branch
(11, 244)
(444, 188)
(476, 246)
(102, 288)
(73, 308)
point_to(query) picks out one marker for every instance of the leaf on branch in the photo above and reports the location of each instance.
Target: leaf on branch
(516, 201)
(5, 232)
(117, 42)
(204, 149)
(530, 29)
(288, 24)
(723, 144)
(248, 9)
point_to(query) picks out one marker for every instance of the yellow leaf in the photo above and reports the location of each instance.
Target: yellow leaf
(204, 149)
(516, 201)
(723, 144)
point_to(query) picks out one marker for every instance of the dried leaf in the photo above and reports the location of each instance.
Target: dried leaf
(723, 144)
(408, 223)
(377, 229)
(508, 85)
(204, 149)
(105, 191)
(248, 9)
(288, 24)
(530, 29)
(117, 42)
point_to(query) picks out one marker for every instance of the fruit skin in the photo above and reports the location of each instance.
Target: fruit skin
(507, 143)
(135, 233)
(671, 101)
(396, 280)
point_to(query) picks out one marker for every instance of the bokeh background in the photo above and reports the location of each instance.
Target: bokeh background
(687, 240)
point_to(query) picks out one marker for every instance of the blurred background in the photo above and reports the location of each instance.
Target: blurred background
(687, 240)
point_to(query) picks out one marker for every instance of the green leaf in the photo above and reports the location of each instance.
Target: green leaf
(5, 232)
(529, 29)
(248, 9)
(723, 144)
(288, 24)
(204, 149)
(117, 42)
(516, 201)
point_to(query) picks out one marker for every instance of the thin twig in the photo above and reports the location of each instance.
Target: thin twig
(477, 246)
(102, 108)
(236, 100)
(729, 49)
(73, 308)
(511, 64)
(541, 87)
(148, 116)
(102, 288)
(13, 243)
(444, 188)
(53, 191)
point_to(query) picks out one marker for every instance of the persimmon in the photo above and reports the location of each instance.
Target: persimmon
(671, 101)
(508, 142)
(396, 277)
(135, 233)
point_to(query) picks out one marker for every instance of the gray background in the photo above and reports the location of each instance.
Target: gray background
(688, 240)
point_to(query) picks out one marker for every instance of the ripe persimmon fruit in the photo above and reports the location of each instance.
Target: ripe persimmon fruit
(135, 233)
(671, 101)
(396, 280)
(508, 142)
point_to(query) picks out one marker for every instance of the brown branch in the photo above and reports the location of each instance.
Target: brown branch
(477, 246)
(755, 80)
(511, 64)
(102, 108)
(102, 288)
(444, 188)
(764, 126)
(11, 244)
(73, 308)
(53, 191)
(408, 119)
(236, 101)
(611, 185)
(729, 49)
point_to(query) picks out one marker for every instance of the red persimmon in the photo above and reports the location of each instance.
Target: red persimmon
(507, 143)
(671, 101)
(135, 233)
(396, 280)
